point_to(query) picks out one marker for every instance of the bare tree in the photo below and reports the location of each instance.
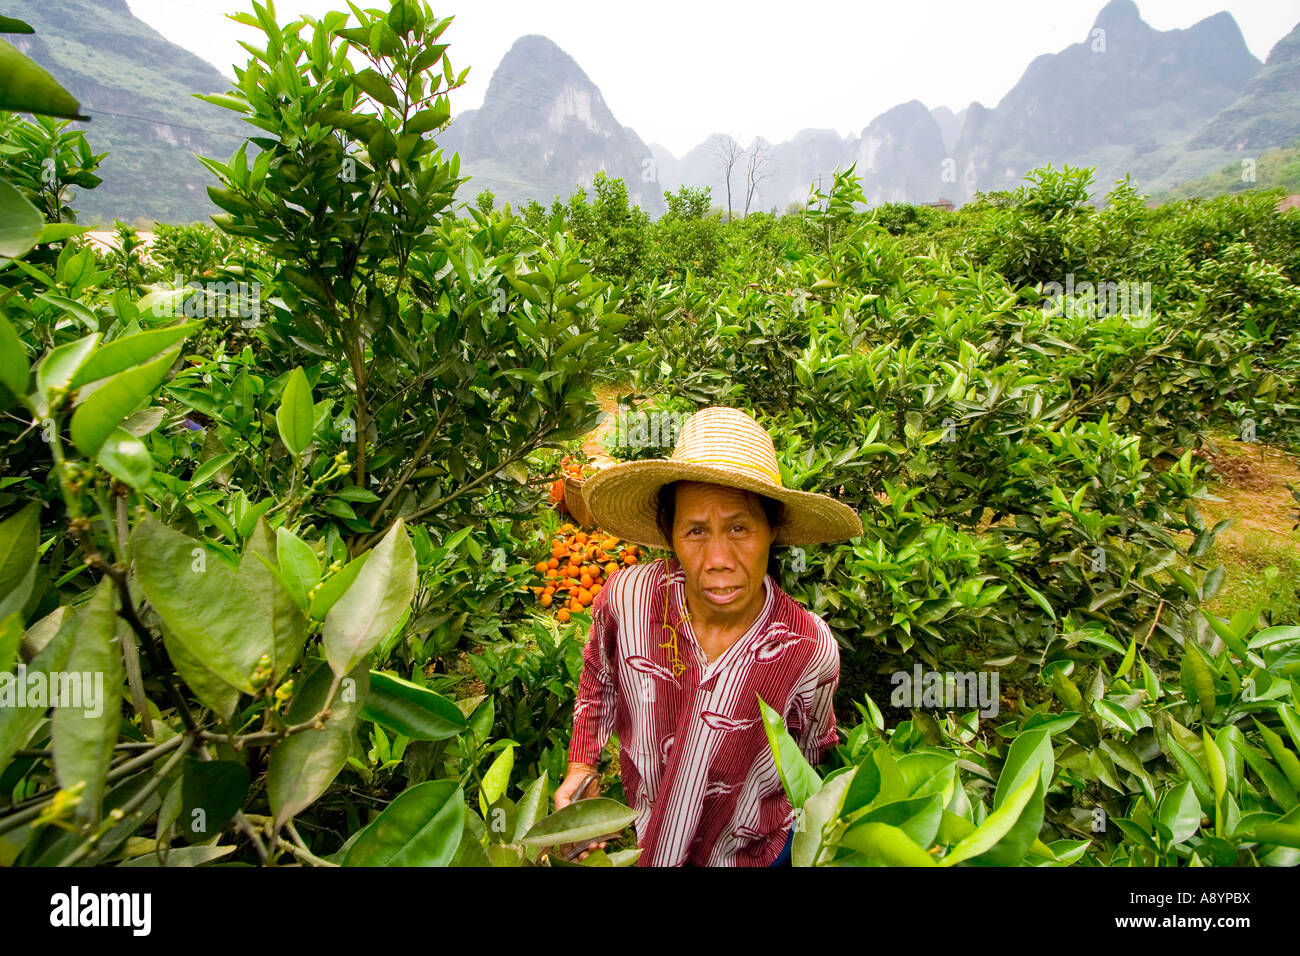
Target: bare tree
(757, 168)
(728, 152)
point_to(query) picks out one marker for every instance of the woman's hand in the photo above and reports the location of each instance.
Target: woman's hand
(568, 791)
(565, 793)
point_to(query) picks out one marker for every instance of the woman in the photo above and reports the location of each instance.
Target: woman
(681, 649)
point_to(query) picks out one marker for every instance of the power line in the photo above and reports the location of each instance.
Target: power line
(159, 122)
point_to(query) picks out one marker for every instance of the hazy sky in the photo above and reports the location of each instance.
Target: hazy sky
(677, 72)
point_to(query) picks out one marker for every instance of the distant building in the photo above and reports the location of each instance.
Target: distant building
(944, 204)
(1287, 203)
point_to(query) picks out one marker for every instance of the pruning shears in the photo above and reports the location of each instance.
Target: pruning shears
(573, 850)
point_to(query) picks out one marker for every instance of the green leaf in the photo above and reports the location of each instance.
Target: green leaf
(126, 458)
(998, 823)
(422, 827)
(20, 222)
(296, 417)
(303, 766)
(96, 417)
(1149, 681)
(411, 710)
(377, 599)
(1286, 760)
(1218, 776)
(918, 817)
(20, 536)
(877, 779)
(1129, 655)
(1115, 715)
(1228, 632)
(1198, 679)
(298, 564)
(580, 821)
(210, 469)
(19, 718)
(1290, 718)
(259, 570)
(11, 638)
(211, 792)
(1194, 772)
(58, 367)
(497, 778)
(25, 87)
(128, 352)
(371, 82)
(1275, 635)
(209, 608)
(186, 856)
(886, 845)
(1180, 812)
(530, 806)
(14, 370)
(85, 723)
(797, 777)
(818, 811)
(213, 692)
(1030, 753)
(60, 231)
(1035, 596)
(1275, 782)
(334, 586)
(225, 101)
(430, 119)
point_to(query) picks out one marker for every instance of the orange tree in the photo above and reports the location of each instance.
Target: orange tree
(228, 544)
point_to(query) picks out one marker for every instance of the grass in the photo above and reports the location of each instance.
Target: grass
(1259, 568)
(1259, 551)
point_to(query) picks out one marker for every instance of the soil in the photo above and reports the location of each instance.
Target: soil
(607, 397)
(1255, 484)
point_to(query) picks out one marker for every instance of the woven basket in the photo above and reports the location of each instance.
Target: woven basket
(575, 503)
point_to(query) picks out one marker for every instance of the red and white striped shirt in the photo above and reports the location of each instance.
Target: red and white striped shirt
(692, 750)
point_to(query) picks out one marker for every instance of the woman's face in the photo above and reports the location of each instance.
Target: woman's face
(722, 539)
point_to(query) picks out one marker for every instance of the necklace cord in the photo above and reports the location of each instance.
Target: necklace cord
(674, 654)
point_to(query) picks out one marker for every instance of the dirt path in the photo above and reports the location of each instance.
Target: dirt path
(607, 396)
(1253, 483)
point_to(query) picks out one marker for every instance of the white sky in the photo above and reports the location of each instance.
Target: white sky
(677, 72)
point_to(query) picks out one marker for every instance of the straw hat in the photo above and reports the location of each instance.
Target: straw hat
(722, 446)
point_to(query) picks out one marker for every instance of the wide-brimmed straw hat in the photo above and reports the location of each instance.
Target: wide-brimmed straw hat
(721, 446)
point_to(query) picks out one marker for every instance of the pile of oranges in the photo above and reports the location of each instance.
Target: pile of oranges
(571, 469)
(579, 567)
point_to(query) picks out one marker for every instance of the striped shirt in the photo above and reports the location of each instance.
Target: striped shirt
(693, 753)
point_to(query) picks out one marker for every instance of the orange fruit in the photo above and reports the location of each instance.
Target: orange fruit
(586, 581)
(562, 616)
(596, 589)
(541, 567)
(553, 563)
(584, 597)
(551, 573)
(611, 568)
(546, 600)
(629, 559)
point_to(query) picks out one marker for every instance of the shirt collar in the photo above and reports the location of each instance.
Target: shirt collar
(676, 591)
